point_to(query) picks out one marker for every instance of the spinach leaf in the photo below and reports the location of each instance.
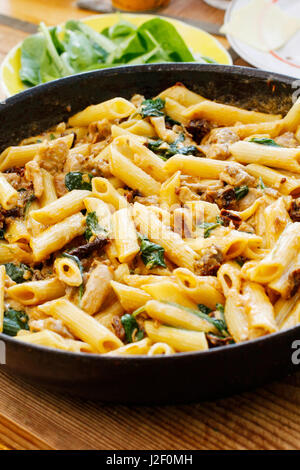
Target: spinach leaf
(240, 261)
(96, 38)
(171, 121)
(16, 273)
(152, 254)
(14, 321)
(208, 227)
(31, 198)
(63, 68)
(78, 180)
(241, 191)
(152, 108)
(132, 331)
(209, 60)
(264, 141)
(2, 233)
(204, 309)
(37, 65)
(120, 30)
(175, 148)
(162, 34)
(80, 53)
(54, 33)
(78, 262)
(155, 144)
(261, 184)
(166, 151)
(220, 308)
(93, 227)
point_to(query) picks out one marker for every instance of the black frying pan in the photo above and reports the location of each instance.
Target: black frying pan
(182, 377)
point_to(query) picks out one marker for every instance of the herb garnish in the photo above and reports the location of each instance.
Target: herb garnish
(152, 254)
(78, 180)
(132, 330)
(241, 191)
(14, 321)
(17, 272)
(31, 198)
(93, 227)
(168, 151)
(264, 141)
(261, 184)
(152, 108)
(208, 227)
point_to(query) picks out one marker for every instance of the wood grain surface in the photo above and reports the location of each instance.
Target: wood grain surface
(32, 418)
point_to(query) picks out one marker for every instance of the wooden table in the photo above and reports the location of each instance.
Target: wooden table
(31, 418)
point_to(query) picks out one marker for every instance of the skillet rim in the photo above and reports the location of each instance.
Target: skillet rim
(245, 72)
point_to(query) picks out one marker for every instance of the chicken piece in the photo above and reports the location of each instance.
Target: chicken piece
(218, 151)
(99, 131)
(33, 173)
(186, 195)
(287, 140)
(59, 183)
(52, 325)
(97, 288)
(236, 176)
(222, 135)
(248, 200)
(52, 156)
(74, 162)
(137, 100)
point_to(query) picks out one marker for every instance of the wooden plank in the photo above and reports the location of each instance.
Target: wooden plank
(264, 419)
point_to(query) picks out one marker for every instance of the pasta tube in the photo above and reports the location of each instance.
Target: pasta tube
(57, 236)
(180, 340)
(82, 325)
(37, 292)
(61, 208)
(8, 195)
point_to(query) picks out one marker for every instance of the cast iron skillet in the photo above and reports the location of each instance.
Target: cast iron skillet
(183, 377)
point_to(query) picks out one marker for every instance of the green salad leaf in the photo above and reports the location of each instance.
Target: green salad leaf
(37, 65)
(159, 33)
(59, 51)
(14, 321)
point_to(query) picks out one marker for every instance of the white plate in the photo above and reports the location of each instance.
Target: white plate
(285, 60)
